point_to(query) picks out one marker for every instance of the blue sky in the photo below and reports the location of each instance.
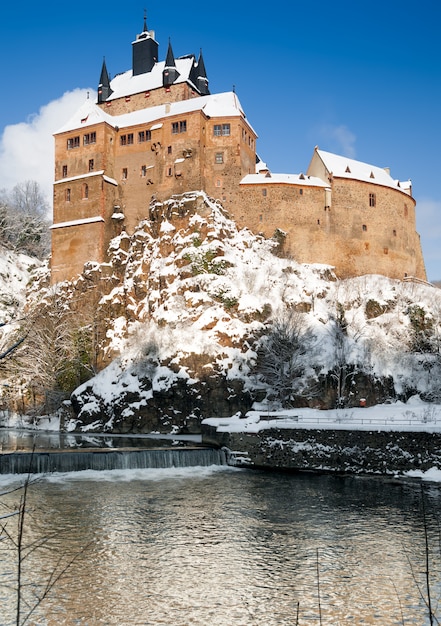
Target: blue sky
(359, 79)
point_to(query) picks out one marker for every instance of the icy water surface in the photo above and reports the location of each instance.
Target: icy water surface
(220, 547)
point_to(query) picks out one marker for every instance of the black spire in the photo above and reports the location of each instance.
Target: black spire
(170, 73)
(104, 89)
(198, 76)
(144, 51)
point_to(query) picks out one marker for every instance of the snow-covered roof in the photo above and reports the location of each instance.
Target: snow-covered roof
(218, 105)
(127, 85)
(343, 167)
(80, 222)
(289, 179)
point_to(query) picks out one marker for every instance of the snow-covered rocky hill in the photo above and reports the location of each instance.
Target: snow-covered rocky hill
(203, 319)
(192, 318)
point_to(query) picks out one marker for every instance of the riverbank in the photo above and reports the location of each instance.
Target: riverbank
(392, 439)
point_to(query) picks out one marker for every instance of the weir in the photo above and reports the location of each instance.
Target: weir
(47, 461)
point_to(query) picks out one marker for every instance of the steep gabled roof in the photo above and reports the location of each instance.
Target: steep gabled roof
(344, 167)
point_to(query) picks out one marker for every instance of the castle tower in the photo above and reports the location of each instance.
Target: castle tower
(199, 76)
(104, 89)
(170, 72)
(144, 51)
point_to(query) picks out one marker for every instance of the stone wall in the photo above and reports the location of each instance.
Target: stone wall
(359, 452)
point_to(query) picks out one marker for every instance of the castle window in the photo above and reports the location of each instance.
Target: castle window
(264, 192)
(91, 165)
(169, 171)
(85, 191)
(222, 130)
(301, 192)
(260, 217)
(64, 171)
(126, 140)
(144, 135)
(179, 127)
(219, 157)
(89, 138)
(169, 149)
(318, 222)
(124, 173)
(372, 199)
(73, 142)
(218, 183)
(386, 250)
(143, 170)
(394, 232)
(67, 195)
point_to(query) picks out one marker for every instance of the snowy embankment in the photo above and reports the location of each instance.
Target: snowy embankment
(412, 416)
(392, 439)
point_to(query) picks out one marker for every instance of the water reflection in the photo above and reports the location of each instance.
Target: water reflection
(25, 440)
(220, 546)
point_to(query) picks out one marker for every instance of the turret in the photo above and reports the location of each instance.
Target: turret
(144, 51)
(198, 76)
(170, 73)
(104, 90)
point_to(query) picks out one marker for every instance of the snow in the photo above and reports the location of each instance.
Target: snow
(412, 416)
(289, 179)
(80, 177)
(85, 220)
(126, 84)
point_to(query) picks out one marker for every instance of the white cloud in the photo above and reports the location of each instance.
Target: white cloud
(27, 149)
(341, 138)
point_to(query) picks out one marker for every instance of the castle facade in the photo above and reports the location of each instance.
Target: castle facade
(156, 131)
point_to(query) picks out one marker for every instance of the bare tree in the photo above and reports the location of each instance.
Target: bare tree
(283, 356)
(24, 219)
(51, 353)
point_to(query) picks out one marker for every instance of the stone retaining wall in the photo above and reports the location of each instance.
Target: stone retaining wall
(369, 452)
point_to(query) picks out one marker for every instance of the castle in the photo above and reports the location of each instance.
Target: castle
(156, 131)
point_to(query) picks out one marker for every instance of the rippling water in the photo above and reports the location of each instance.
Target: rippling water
(219, 546)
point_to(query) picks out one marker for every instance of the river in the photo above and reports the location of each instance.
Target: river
(218, 546)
